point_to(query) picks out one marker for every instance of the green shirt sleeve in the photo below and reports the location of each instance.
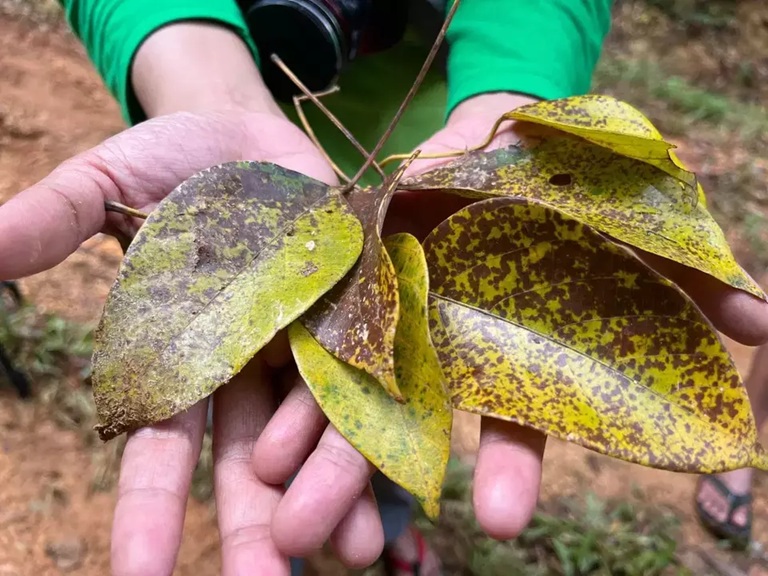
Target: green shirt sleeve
(113, 30)
(542, 48)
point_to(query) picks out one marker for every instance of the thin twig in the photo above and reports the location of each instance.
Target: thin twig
(407, 100)
(111, 206)
(400, 172)
(297, 100)
(437, 155)
(310, 96)
(429, 156)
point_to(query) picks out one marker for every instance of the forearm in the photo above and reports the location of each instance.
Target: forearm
(114, 31)
(196, 66)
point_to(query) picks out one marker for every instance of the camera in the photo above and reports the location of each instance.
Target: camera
(317, 39)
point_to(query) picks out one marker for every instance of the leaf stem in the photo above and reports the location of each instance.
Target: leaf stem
(394, 180)
(408, 97)
(111, 206)
(307, 95)
(297, 100)
(438, 155)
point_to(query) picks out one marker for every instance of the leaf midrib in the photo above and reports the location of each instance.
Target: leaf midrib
(590, 358)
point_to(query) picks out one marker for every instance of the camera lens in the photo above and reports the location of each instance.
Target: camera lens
(305, 35)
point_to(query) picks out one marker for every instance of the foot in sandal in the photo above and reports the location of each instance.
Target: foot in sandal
(724, 505)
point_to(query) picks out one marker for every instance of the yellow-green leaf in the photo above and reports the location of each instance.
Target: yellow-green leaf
(230, 257)
(540, 320)
(613, 124)
(630, 200)
(409, 442)
(357, 320)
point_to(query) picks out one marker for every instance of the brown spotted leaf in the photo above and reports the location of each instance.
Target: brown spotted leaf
(230, 257)
(409, 442)
(613, 124)
(540, 320)
(357, 320)
(630, 200)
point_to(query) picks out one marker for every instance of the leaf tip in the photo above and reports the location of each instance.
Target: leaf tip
(108, 432)
(387, 379)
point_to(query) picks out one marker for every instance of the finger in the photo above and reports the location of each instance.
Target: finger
(733, 312)
(290, 436)
(155, 475)
(507, 477)
(359, 538)
(47, 222)
(329, 483)
(244, 504)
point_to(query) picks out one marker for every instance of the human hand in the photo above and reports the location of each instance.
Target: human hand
(508, 470)
(229, 118)
(45, 223)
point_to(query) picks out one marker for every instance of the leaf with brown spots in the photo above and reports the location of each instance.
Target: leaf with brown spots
(540, 320)
(613, 124)
(630, 200)
(357, 320)
(410, 442)
(230, 257)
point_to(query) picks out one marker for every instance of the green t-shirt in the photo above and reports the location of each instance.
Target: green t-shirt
(543, 48)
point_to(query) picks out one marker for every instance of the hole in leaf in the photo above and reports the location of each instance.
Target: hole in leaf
(560, 180)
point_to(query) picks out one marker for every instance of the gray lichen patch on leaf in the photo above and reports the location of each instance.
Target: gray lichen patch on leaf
(540, 320)
(217, 269)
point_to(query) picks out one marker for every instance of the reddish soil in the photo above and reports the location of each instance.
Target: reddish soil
(52, 106)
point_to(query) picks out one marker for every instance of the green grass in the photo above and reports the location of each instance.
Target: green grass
(46, 346)
(697, 13)
(55, 356)
(566, 538)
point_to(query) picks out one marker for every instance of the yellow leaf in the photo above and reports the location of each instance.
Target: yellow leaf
(612, 124)
(540, 320)
(630, 200)
(409, 442)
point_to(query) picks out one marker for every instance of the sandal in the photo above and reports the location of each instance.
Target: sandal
(738, 536)
(393, 563)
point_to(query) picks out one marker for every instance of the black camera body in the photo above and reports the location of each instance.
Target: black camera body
(317, 39)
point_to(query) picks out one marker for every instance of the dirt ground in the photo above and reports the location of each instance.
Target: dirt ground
(52, 106)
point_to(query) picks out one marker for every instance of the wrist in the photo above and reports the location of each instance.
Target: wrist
(196, 67)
